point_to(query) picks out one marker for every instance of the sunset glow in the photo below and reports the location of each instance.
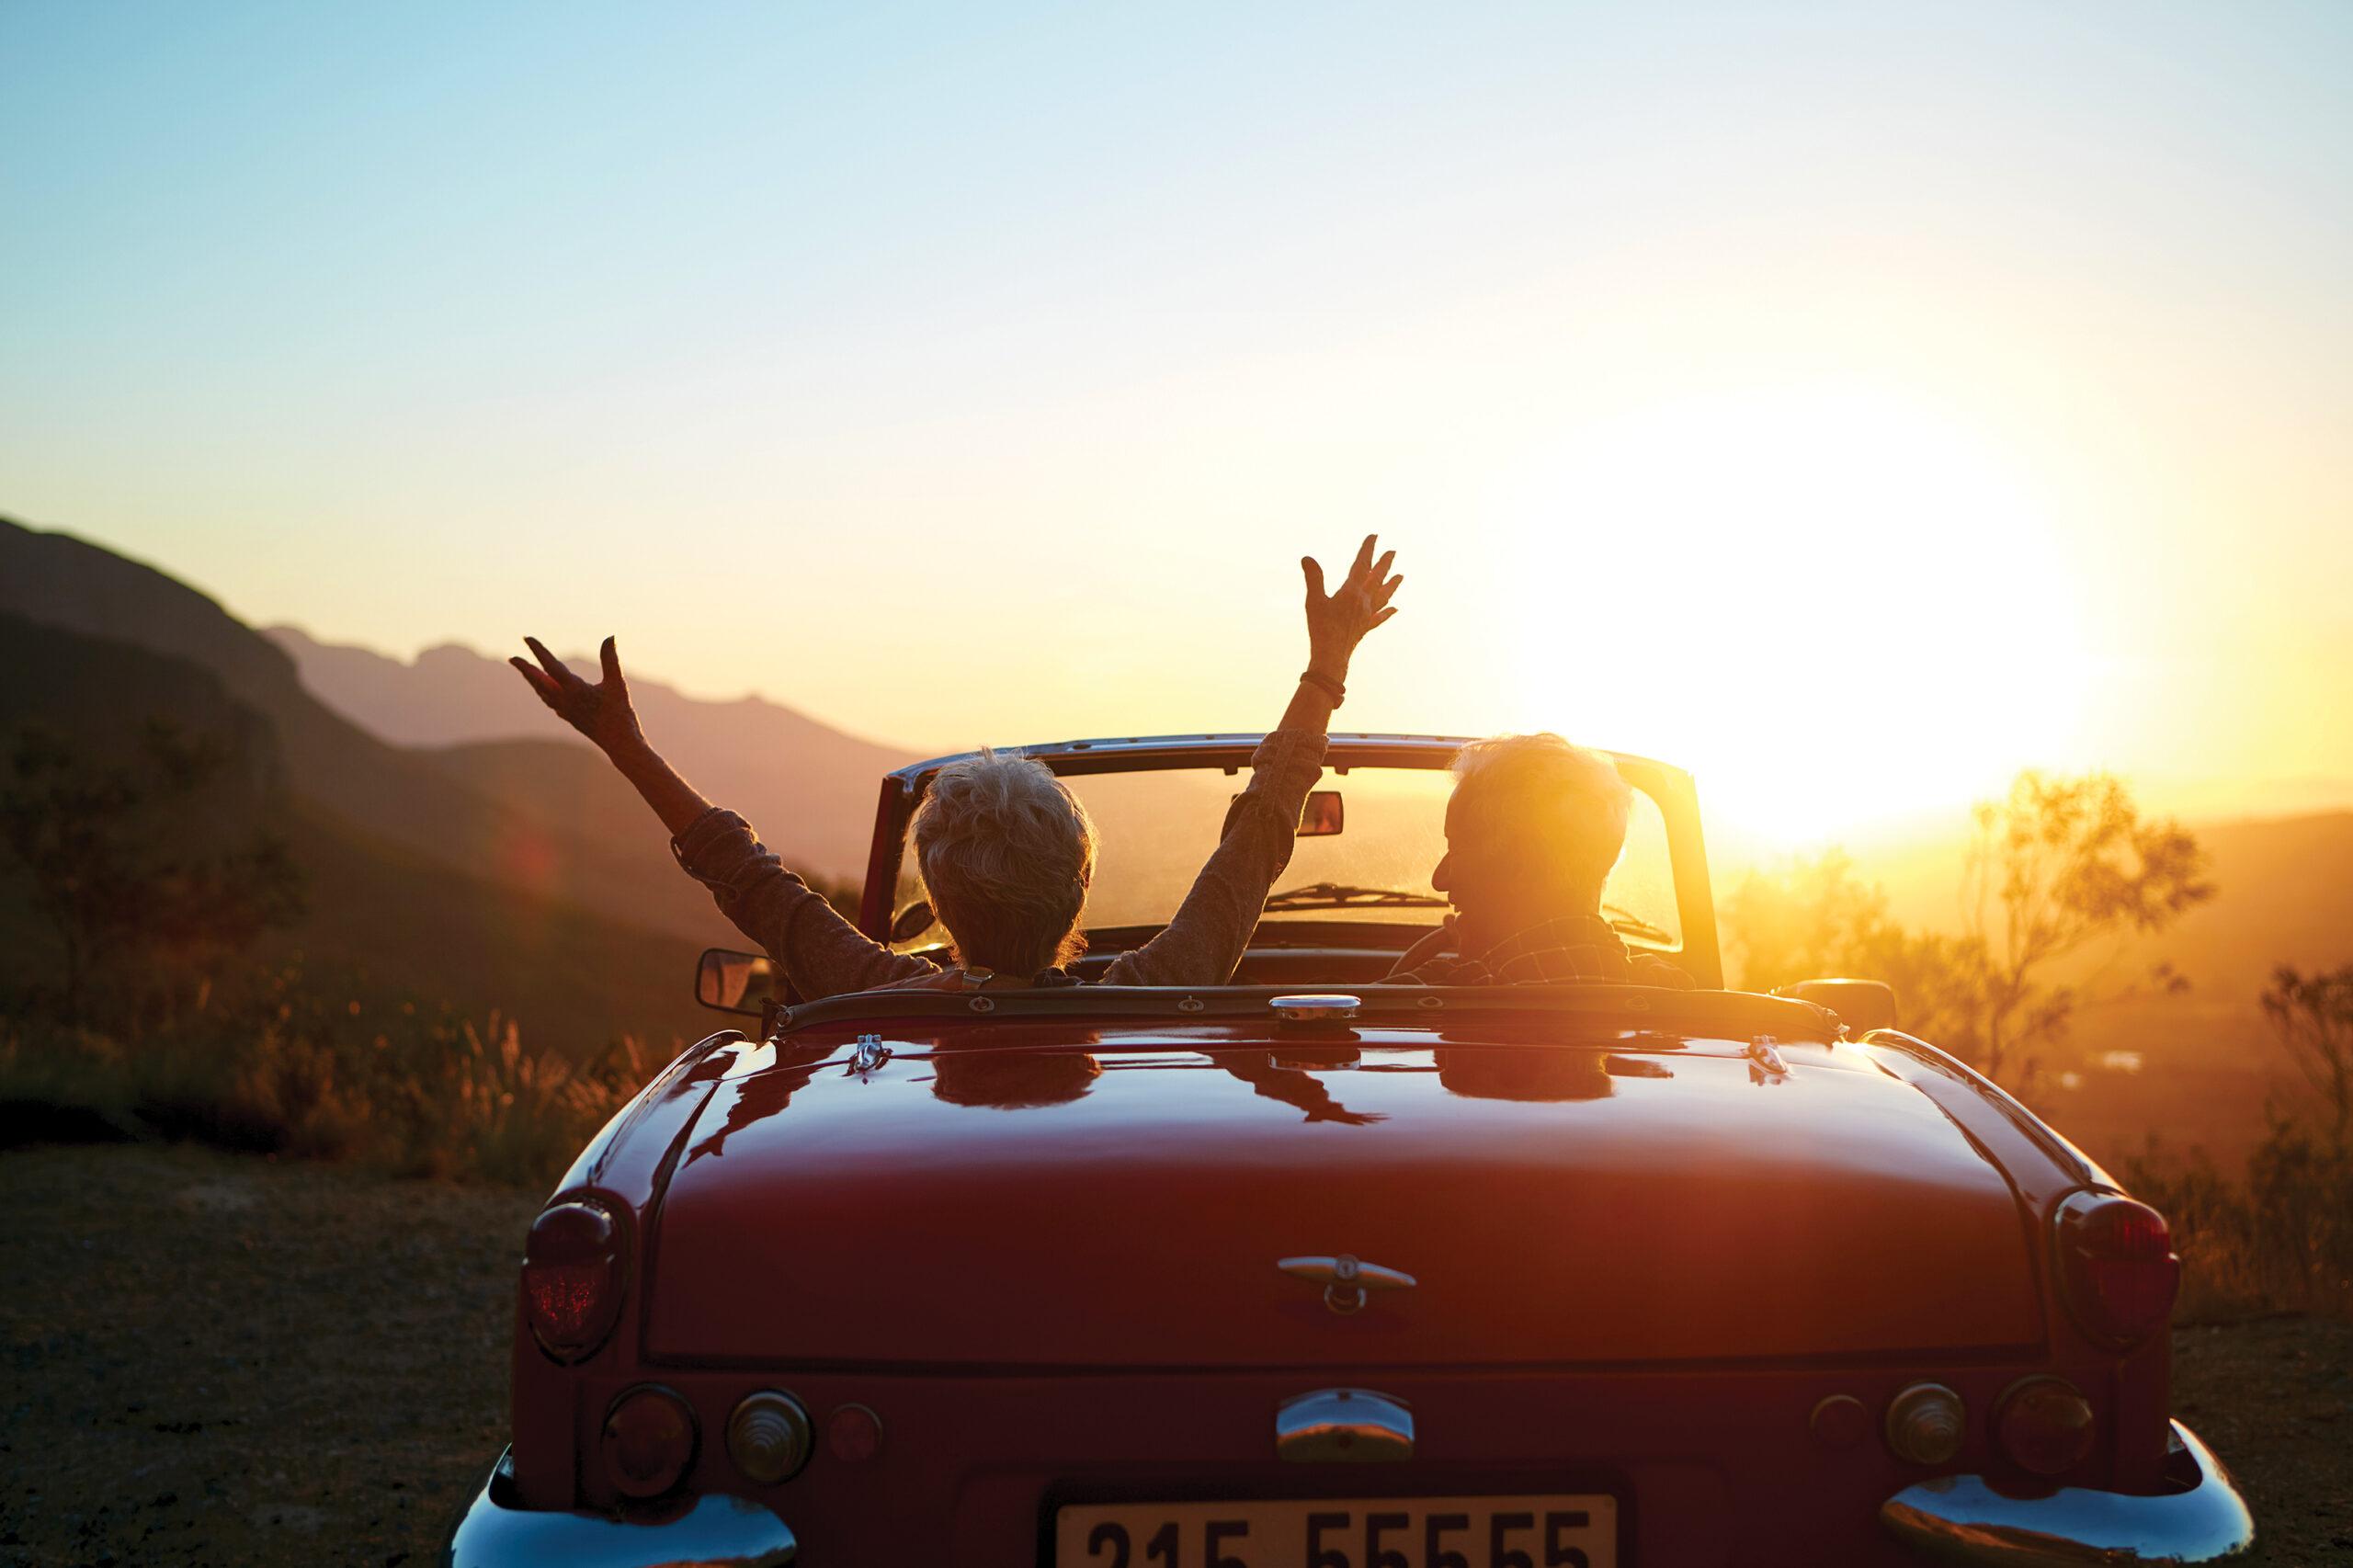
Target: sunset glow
(1851, 404)
(1834, 606)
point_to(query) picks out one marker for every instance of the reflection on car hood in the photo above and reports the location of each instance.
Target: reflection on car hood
(1128, 1204)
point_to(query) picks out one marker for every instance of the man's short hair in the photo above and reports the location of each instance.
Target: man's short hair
(1006, 853)
(1566, 802)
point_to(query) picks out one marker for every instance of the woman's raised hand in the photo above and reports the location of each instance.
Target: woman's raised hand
(1337, 621)
(602, 712)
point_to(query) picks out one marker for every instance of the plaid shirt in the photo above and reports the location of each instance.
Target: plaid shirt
(1572, 947)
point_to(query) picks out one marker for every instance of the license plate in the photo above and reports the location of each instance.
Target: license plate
(1571, 1530)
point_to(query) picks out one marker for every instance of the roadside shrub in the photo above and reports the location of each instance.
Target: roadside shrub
(477, 1103)
(2280, 1240)
(283, 1070)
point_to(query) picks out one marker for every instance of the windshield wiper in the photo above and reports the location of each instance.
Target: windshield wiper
(1347, 895)
(1342, 895)
(1634, 925)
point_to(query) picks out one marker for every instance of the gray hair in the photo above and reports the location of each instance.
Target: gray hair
(1006, 853)
(1569, 804)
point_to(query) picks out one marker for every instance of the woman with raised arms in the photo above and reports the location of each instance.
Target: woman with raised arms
(1005, 851)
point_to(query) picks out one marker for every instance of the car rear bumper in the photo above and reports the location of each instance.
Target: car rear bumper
(714, 1532)
(1959, 1518)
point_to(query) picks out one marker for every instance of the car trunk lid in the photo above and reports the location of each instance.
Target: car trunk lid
(1133, 1205)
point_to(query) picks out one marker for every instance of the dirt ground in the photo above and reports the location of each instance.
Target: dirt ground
(220, 1359)
(2274, 1398)
(217, 1359)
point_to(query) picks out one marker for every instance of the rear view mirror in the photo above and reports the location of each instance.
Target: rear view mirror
(1320, 815)
(1861, 1005)
(734, 982)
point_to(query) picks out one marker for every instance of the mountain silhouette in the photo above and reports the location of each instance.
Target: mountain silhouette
(341, 772)
(519, 873)
(808, 789)
(387, 920)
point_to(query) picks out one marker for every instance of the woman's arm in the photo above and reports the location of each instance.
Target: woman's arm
(1335, 624)
(823, 954)
(1210, 930)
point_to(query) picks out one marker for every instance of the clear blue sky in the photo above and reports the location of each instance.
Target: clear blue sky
(965, 373)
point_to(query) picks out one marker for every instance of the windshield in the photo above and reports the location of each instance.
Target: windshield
(1157, 827)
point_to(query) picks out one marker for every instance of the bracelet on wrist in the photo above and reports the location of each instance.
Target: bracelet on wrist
(1325, 683)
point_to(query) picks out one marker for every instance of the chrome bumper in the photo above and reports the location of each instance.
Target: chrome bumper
(711, 1532)
(1958, 1518)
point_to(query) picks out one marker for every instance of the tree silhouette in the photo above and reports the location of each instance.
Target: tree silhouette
(2313, 1019)
(2060, 864)
(2056, 866)
(119, 867)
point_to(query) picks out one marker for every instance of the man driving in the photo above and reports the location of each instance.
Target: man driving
(1532, 831)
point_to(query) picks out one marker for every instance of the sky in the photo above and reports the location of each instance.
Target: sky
(1852, 403)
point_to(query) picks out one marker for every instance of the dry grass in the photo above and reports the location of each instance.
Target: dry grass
(389, 1087)
(2280, 1240)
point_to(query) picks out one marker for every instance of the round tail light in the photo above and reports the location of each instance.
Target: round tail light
(1926, 1424)
(2044, 1425)
(571, 1277)
(2116, 1265)
(649, 1441)
(768, 1436)
(854, 1434)
(1840, 1421)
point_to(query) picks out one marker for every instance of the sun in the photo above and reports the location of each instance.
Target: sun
(1838, 609)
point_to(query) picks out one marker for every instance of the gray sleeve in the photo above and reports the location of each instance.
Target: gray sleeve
(1212, 929)
(822, 954)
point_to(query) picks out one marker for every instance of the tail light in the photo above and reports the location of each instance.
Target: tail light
(1839, 1422)
(767, 1436)
(1926, 1424)
(2117, 1268)
(571, 1277)
(649, 1441)
(854, 1434)
(2044, 1425)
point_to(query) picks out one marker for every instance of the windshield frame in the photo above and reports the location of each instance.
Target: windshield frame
(1668, 786)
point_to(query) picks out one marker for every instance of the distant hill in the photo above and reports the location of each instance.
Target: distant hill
(2205, 1068)
(808, 788)
(381, 914)
(383, 792)
(2284, 895)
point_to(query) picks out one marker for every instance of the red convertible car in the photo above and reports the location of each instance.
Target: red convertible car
(1313, 1272)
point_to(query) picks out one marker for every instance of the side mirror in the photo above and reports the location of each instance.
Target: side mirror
(1861, 1005)
(912, 921)
(734, 982)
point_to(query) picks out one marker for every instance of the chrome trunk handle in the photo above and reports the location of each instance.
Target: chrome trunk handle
(1346, 1280)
